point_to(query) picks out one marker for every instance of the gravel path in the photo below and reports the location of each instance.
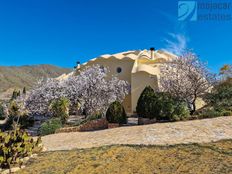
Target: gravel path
(196, 131)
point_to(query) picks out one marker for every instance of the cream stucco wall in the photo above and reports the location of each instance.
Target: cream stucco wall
(139, 81)
(112, 64)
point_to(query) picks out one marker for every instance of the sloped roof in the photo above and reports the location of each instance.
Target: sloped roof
(65, 76)
(138, 56)
(135, 54)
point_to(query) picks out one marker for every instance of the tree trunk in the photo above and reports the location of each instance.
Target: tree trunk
(193, 108)
(194, 104)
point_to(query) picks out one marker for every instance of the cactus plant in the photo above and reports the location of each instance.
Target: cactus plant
(14, 146)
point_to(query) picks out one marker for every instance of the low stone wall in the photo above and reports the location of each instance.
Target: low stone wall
(68, 129)
(113, 125)
(94, 125)
(142, 121)
(88, 126)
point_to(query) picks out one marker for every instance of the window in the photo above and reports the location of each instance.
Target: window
(119, 69)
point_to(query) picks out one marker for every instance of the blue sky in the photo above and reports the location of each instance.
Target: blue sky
(61, 32)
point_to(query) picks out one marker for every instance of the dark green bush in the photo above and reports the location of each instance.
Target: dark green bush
(94, 117)
(24, 121)
(15, 145)
(170, 108)
(161, 106)
(209, 113)
(116, 113)
(146, 104)
(226, 113)
(221, 96)
(219, 101)
(181, 112)
(165, 106)
(2, 115)
(87, 119)
(50, 126)
(60, 109)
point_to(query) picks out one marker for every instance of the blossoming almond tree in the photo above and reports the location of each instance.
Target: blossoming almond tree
(97, 92)
(91, 88)
(39, 99)
(186, 78)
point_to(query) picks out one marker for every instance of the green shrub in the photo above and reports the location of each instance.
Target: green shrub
(181, 112)
(24, 121)
(170, 108)
(2, 115)
(161, 106)
(226, 113)
(15, 145)
(89, 118)
(94, 117)
(50, 126)
(209, 113)
(60, 108)
(221, 96)
(146, 104)
(116, 113)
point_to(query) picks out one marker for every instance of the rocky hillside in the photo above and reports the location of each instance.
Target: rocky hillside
(17, 77)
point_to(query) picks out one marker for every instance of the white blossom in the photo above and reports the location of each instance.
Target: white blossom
(186, 78)
(39, 99)
(92, 88)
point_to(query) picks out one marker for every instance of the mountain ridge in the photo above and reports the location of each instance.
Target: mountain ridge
(17, 77)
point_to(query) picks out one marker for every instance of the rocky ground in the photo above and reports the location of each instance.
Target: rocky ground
(196, 131)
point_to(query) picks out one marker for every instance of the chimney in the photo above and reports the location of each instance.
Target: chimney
(152, 50)
(78, 65)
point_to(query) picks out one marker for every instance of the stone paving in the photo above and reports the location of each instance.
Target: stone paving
(196, 131)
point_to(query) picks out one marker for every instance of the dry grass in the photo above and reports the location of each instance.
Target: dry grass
(192, 158)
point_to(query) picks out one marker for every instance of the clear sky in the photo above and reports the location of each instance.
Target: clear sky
(61, 32)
